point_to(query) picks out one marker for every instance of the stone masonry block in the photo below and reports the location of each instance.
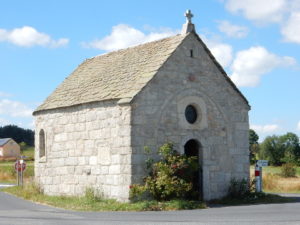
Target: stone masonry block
(93, 160)
(114, 169)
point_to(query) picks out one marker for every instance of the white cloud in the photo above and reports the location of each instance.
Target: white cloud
(269, 128)
(28, 36)
(4, 122)
(3, 94)
(123, 36)
(298, 126)
(262, 11)
(250, 65)
(14, 108)
(232, 30)
(291, 29)
(221, 51)
(286, 13)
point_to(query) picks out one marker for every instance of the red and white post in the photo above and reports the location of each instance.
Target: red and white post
(258, 178)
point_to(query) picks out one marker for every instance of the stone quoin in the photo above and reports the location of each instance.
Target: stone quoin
(91, 131)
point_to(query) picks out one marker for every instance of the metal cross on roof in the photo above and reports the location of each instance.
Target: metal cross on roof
(188, 14)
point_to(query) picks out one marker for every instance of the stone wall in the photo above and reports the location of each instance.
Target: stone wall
(222, 124)
(86, 146)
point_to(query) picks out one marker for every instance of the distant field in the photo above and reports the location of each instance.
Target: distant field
(274, 182)
(29, 153)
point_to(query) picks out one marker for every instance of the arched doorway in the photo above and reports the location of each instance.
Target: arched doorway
(193, 148)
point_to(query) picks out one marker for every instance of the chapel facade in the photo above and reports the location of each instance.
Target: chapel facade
(92, 130)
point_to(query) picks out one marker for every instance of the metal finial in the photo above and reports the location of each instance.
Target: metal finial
(188, 14)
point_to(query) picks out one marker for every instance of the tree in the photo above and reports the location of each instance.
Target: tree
(271, 149)
(281, 149)
(253, 145)
(18, 134)
(290, 143)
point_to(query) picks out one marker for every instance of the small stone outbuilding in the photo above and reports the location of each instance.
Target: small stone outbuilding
(9, 148)
(91, 131)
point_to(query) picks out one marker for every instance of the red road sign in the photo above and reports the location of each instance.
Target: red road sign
(20, 166)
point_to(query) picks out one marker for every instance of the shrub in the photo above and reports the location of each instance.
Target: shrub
(169, 178)
(137, 192)
(239, 188)
(288, 170)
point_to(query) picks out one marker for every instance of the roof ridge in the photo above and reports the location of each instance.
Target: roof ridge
(3, 141)
(136, 46)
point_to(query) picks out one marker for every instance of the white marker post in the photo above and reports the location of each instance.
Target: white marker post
(258, 174)
(21, 163)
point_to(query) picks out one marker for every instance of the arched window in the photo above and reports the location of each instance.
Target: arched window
(42, 151)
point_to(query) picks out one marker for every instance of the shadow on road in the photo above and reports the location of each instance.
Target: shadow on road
(292, 196)
(284, 198)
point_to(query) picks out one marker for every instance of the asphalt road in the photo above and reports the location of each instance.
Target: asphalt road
(15, 211)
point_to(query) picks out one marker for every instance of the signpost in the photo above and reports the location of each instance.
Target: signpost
(258, 174)
(20, 167)
(262, 163)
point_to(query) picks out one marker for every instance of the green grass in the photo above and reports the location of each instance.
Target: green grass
(90, 202)
(29, 153)
(275, 170)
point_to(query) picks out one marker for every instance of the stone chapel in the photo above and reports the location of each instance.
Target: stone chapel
(91, 131)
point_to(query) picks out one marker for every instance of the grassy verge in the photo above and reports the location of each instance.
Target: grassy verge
(90, 202)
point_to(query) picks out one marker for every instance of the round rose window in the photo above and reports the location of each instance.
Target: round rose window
(191, 114)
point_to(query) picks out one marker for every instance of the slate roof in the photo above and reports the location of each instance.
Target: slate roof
(118, 75)
(3, 141)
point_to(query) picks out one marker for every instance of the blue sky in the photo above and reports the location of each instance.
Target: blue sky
(257, 42)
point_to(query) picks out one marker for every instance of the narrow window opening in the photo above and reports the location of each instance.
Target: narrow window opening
(42, 151)
(191, 53)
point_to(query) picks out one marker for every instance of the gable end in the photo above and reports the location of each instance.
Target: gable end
(220, 68)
